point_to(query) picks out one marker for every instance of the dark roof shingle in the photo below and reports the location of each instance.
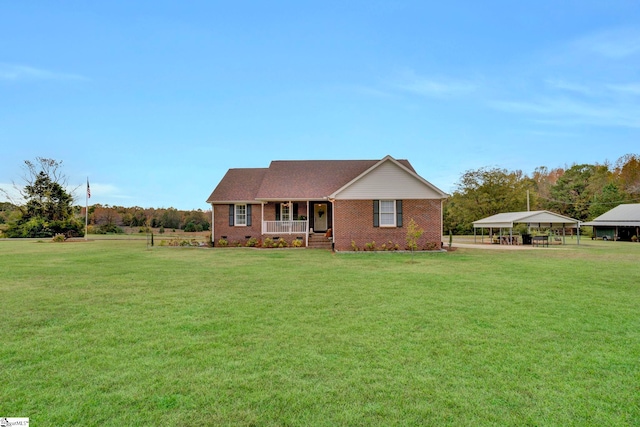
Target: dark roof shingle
(291, 180)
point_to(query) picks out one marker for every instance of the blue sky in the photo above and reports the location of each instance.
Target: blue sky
(154, 101)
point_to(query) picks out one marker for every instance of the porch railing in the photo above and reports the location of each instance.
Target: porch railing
(283, 227)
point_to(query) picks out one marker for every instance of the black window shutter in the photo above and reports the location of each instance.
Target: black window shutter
(248, 215)
(376, 213)
(277, 211)
(295, 211)
(399, 213)
(232, 213)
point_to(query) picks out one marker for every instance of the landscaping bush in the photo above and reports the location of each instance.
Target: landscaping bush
(58, 238)
(268, 243)
(108, 229)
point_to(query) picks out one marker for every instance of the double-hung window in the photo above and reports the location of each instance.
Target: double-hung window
(285, 212)
(241, 215)
(387, 213)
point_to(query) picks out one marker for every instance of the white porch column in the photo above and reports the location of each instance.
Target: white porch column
(307, 232)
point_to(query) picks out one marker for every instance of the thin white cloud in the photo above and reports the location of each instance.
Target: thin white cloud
(626, 89)
(437, 88)
(570, 86)
(100, 192)
(434, 86)
(570, 112)
(614, 44)
(9, 193)
(371, 92)
(23, 72)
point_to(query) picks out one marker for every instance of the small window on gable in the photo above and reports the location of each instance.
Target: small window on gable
(241, 215)
(387, 213)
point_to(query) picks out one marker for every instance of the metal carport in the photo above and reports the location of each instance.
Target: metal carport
(623, 219)
(535, 219)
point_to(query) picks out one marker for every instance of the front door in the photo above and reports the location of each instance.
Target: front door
(320, 214)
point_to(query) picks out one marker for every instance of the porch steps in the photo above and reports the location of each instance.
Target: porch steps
(319, 241)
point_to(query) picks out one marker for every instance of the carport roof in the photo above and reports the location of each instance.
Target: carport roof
(539, 218)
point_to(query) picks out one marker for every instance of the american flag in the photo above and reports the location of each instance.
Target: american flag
(88, 189)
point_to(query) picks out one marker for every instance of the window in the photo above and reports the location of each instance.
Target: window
(387, 213)
(285, 212)
(241, 214)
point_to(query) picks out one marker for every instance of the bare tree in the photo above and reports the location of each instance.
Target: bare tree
(42, 166)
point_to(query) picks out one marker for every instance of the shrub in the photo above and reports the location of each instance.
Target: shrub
(161, 230)
(58, 238)
(223, 243)
(354, 247)
(297, 243)
(371, 246)
(109, 229)
(252, 242)
(268, 243)
(192, 226)
(282, 243)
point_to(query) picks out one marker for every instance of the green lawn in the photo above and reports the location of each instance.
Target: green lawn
(112, 333)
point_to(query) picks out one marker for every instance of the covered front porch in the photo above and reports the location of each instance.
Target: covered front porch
(296, 217)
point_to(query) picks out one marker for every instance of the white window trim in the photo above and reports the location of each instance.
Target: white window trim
(393, 213)
(235, 214)
(284, 206)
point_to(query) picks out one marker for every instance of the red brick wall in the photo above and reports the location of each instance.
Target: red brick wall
(235, 234)
(353, 221)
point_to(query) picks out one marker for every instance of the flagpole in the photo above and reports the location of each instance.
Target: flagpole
(86, 211)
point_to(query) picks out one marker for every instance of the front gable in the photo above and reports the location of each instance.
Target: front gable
(388, 179)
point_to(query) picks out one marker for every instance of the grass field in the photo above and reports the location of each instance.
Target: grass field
(112, 333)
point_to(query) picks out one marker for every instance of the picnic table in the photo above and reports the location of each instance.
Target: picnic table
(540, 240)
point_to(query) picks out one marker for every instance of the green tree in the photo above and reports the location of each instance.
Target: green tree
(484, 192)
(627, 175)
(170, 218)
(605, 200)
(575, 189)
(196, 221)
(48, 206)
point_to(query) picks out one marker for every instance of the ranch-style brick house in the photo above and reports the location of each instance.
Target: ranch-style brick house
(339, 203)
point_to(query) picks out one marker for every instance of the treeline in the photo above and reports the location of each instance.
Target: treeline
(580, 191)
(108, 219)
(105, 219)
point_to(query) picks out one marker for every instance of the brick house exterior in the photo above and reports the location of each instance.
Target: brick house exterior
(349, 202)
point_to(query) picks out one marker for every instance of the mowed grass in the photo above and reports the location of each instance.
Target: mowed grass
(111, 333)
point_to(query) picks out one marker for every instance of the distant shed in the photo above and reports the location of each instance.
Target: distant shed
(620, 223)
(533, 219)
